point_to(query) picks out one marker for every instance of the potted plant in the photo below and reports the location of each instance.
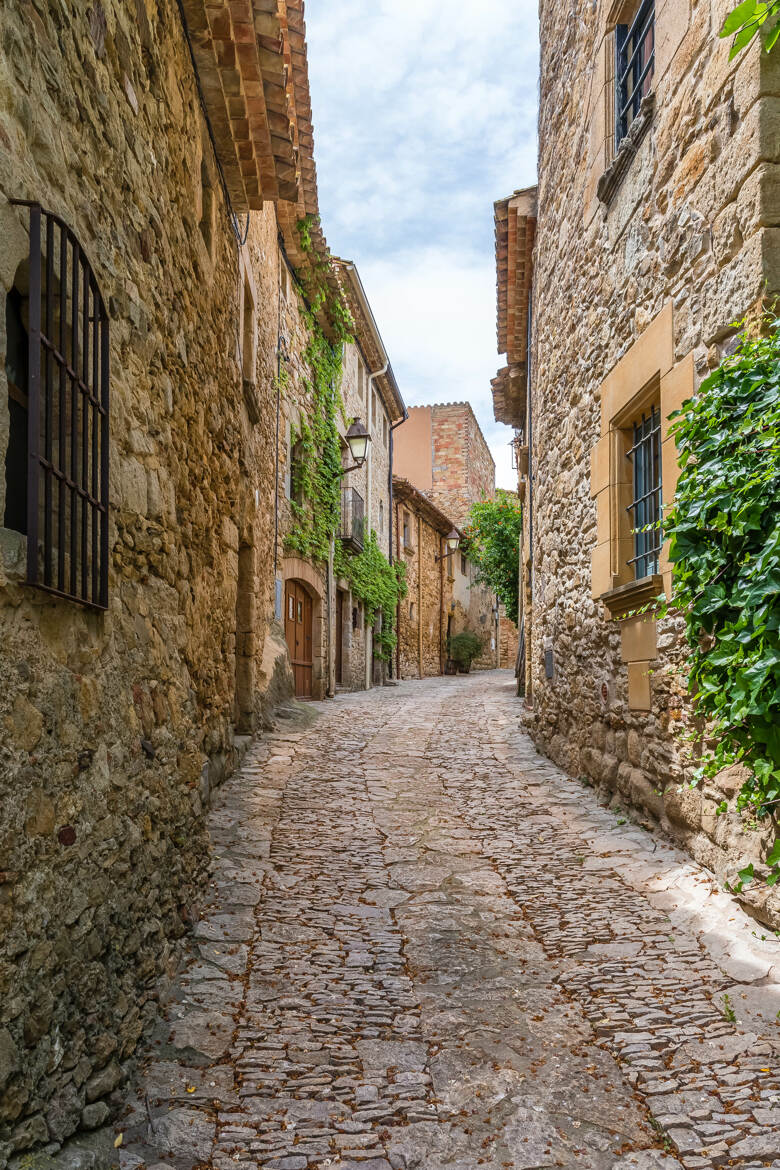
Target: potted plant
(464, 648)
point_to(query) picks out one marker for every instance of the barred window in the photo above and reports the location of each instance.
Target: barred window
(57, 367)
(634, 66)
(646, 506)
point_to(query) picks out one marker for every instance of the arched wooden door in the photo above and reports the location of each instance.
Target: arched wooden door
(298, 616)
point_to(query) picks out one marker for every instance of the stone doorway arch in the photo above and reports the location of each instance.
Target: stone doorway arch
(303, 599)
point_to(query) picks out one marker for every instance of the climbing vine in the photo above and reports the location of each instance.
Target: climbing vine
(316, 472)
(752, 18)
(724, 532)
(492, 540)
(379, 585)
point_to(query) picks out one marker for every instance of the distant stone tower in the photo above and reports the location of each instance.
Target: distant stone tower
(442, 452)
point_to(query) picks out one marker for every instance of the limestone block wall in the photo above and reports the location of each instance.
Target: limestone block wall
(691, 233)
(115, 727)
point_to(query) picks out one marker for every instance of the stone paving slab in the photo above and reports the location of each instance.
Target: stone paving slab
(424, 947)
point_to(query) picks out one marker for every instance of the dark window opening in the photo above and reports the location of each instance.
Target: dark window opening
(16, 369)
(57, 463)
(248, 334)
(407, 531)
(464, 568)
(646, 507)
(296, 473)
(207, 208)
(635, 63)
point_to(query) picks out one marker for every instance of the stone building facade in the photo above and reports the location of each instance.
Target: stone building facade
(143, 328)
(442, 451)
(421, 531)
(311, 599)
(444, 597)
(652, 231)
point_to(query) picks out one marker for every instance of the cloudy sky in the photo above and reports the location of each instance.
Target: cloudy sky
(424, 114)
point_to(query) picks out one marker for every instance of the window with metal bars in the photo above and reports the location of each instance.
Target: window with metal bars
(646, 507)
(61, 413)
(634, 65)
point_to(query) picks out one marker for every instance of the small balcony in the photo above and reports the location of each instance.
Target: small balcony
(353, 514)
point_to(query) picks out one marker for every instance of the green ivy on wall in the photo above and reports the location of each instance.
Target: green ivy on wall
(379, 585)
(724, 532)
(316, 474)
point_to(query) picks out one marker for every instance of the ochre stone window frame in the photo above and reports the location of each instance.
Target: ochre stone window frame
(646, 374)
(637, 16)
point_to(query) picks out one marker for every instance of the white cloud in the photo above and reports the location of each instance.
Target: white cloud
(424, 114)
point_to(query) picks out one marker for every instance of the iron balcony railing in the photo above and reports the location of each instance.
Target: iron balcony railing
(353, 517)
(635, 62)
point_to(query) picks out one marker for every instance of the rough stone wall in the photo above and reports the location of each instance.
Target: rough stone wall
(695, 221)
(116, 726)
(379, 470)
(508, 638)
(463, 468)
(297, 405)
(426, 585)
(473, 610)
(372, 483)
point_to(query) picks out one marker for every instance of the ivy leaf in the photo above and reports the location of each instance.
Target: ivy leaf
(735, 20)
(742, 39)
(773, 857)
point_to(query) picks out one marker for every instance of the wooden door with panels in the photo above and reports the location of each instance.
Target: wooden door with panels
(298, 621)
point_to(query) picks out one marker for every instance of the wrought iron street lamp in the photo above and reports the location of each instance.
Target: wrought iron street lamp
(453, 540)
(358, 439)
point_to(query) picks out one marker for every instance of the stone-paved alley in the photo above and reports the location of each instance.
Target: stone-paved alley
(424, 947)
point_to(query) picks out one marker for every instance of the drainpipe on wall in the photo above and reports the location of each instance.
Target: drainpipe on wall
(442, 550)
(398, 612)
(370, 398)
(419, 597)
(530, 438)
(330, 591)
(390, 512)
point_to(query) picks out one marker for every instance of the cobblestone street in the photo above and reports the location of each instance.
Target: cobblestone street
(424, 947)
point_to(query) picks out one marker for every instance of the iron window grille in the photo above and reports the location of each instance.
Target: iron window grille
(634, 66)
(67, 417)
(353, 516)
(646, 507)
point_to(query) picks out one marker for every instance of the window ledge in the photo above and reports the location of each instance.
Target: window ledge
(625, 598)
(613, 176)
